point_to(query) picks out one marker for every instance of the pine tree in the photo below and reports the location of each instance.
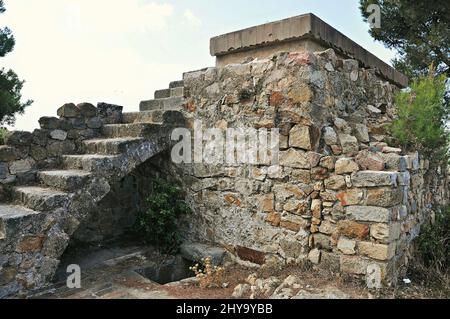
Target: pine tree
(418, 30)
(10, 84)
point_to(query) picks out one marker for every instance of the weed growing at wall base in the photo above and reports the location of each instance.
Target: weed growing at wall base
(3, 132)
(210, 276)
(432, 264)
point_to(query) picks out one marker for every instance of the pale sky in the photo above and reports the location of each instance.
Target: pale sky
(121, 51)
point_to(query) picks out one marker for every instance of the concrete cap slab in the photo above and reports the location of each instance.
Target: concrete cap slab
(306, 27)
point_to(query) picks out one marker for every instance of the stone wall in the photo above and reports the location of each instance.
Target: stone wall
(115, 213)
(340, 196)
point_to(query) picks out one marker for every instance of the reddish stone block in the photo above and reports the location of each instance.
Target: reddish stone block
(254, 256)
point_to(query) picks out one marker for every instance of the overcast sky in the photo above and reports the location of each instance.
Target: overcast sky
(120, 51)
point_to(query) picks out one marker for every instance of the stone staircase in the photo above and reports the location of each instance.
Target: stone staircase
(41, 212)
(166, 99)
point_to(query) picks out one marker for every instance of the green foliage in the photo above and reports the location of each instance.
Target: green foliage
(7, 41)
(423, 112)
(10, 97)
(159, 223)
(418, 29)
(10, 84)
(432, 261)
(3, 132)
(434, 242)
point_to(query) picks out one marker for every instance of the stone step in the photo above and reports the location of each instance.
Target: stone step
(172, 92)
(67, 180)
(111, 146)
(170, 103)
(12, 218)
(90, 162)
(176, 84)
(161, 94)
(178, 91)
(155, 116)
(40, 199)
(130, 130)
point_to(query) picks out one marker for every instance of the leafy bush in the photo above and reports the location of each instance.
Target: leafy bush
(10, 84)
(423, 113)
(433, 251)
(159, 223)
(3, 132)
(434, 242)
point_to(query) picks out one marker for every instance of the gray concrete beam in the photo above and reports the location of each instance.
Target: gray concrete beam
(302, 32)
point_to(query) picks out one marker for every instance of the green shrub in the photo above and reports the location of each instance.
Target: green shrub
(422, 115)
(159, 222)
(434, 242)
(432, 262)
(3, 132)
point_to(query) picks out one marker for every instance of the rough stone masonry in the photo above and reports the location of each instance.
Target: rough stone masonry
(341, 197)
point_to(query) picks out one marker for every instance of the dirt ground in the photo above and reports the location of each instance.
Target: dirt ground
(314, 278)
(113, 273)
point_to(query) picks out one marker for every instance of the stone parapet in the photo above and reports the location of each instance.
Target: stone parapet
(301, 33)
